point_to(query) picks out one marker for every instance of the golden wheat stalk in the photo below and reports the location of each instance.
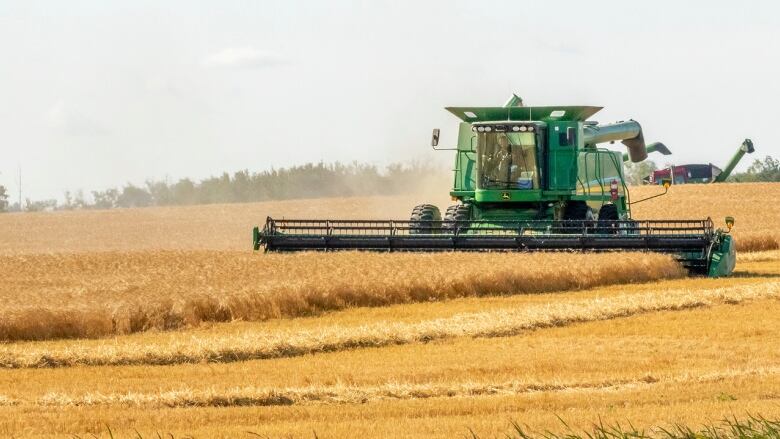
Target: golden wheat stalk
(254, 345)
(94, 295)
(759, 256)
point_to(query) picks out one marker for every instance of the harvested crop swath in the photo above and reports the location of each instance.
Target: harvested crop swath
(98, 294)
(253, 345)
(352, 394)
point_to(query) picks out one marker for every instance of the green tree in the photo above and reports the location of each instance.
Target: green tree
(184, 192)
(161, 193)
(68, 204)
(105, 199)
(3, 199)
(133, 196)
(78, 200)
(760, 170)
(40, 206)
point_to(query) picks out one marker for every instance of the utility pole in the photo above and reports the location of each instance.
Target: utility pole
(20, 187)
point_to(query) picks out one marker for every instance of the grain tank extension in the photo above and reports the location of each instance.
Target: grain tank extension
(526, 179)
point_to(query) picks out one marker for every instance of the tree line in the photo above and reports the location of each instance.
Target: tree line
(760, 170)
(312, 180)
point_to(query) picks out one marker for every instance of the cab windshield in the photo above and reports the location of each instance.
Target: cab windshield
(507, 161)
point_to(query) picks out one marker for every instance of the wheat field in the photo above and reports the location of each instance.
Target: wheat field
(229, 226)
(93, 295)
(751, 204)
(162, 321)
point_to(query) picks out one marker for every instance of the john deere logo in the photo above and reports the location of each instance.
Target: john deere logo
(504, 195)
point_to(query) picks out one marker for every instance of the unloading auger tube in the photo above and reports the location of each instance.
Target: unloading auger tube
(696, 244)
(629, 133)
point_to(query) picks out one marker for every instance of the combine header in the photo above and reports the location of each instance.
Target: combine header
(526, 179)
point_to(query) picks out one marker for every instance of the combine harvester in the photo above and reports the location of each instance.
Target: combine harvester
(527, 179)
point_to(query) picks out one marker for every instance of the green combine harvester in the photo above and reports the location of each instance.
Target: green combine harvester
(527, 179)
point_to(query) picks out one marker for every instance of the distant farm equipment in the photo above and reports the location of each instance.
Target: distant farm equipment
(700, 173)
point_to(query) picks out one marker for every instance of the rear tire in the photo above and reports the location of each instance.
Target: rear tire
(425, 219)
(608, 219)
(456, 217)
(574, 213)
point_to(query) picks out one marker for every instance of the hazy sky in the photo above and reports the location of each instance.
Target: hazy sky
(97, 94)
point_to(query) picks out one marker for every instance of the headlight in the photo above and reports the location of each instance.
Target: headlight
(530, 129)
(480, 129)
(488, 129)
(523, 128)
(515, 128)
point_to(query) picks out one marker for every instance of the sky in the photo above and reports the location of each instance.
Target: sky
(96, 94)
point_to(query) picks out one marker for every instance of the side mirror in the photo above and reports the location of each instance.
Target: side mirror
(435, 137)
(666, 182)
(729, 222)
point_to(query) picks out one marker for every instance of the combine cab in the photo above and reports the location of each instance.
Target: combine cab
(526, 179)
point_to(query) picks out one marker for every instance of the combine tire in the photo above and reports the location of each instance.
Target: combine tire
(608, 219)
(573, 214)
(425, 219)
(456, 217)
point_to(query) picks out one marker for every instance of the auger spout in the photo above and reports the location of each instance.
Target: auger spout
(628, 132)
(745, 148)
(653, 147)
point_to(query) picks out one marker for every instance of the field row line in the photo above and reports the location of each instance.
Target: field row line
(255, 345)
(350, 394)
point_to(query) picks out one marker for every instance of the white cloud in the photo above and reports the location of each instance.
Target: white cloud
(243, 57)
(70, 121)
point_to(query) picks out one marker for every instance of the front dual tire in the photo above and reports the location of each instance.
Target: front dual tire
(427, 219)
